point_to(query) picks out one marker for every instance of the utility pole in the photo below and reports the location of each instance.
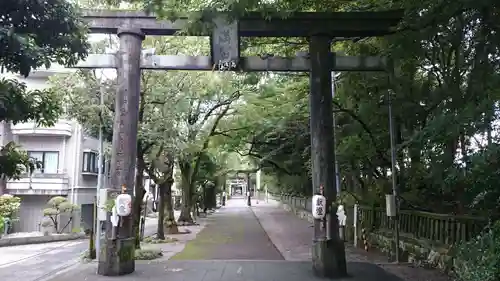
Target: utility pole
(100, 174)
(393, 165)
(249, 193)
(337, 170)
(257, 184)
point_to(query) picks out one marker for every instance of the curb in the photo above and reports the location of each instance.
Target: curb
(16, 241)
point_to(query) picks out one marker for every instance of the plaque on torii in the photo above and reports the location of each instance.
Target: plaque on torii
(225, 44)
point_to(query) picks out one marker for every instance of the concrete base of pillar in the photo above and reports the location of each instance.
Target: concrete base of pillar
(328, 259)
(117, 257)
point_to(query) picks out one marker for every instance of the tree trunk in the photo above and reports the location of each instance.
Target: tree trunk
(185, 217)
(169, 226)
(211, 201)
(160, 233)
(138, 200)
(204, 198)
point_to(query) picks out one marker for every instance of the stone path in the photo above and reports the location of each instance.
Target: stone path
(234, 246)
(293, 237)
(220, 270)
(232, 233)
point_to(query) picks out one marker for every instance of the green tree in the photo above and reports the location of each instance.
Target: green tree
(56, 207)
(445, 97)
(161, 171)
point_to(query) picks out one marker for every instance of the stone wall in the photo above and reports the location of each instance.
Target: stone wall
(419, 252)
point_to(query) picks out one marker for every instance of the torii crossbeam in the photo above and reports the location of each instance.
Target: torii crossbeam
(248, 64)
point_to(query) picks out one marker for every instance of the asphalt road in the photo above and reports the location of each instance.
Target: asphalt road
(38, 261)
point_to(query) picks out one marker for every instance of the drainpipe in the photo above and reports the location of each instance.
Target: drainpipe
(63, 157)
(76, 171)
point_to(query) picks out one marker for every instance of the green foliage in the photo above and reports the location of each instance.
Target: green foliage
(444, 94)
(148, 254)
(140, 254)
(2, 225)
(478, 259)
(35, 34)
(14, 161)
(445, 115)
(59, 205)
(9, 205)
(20, 105)
(179, 112)
(110, 203)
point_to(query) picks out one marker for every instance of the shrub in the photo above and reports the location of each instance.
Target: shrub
(57, 206)
(479, 258)
(9, 205)
(2, 225)
(152, 240)
(147, 254)
(140, 254)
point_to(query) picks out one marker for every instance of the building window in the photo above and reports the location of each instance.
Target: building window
(48, 159)
(90, 162)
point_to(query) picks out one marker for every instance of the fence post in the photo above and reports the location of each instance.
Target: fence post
(355, 224)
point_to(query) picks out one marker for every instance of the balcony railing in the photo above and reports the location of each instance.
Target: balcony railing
(40, 184)
(61, 128)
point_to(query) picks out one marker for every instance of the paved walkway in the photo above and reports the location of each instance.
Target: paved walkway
(293, 237)
(232, 233)
(237, 244)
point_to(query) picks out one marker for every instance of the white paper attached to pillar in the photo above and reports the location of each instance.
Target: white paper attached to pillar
(390, 204)
(341, 215)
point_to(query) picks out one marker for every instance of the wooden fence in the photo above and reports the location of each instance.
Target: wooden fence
(438, 228)
(441, 229)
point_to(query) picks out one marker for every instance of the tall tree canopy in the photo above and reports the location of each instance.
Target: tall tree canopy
(445, 96)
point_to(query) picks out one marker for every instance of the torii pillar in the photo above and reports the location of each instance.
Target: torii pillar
(328, 252)
(117, 253)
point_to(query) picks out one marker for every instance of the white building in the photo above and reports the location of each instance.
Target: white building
(69, 168)
(70, 165)
(69, 160)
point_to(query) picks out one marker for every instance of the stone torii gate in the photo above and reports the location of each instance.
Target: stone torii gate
(320, 28)
(248, 188)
